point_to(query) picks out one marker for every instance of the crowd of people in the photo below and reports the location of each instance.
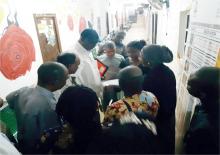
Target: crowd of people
(61, 114)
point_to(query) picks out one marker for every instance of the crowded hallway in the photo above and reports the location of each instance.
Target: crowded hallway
(132, 77)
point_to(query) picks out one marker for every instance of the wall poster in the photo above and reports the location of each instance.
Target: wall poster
(48, 35)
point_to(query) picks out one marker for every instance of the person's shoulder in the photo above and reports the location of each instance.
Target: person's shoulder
(119, 56)
(166, 68)
(101, 57)
(147, 93)
(149, 96)
(36, 95)
(163, 71)
(13, 95)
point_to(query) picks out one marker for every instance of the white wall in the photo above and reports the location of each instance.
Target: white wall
(26, 9)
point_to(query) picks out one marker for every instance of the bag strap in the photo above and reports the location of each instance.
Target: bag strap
(127, 105)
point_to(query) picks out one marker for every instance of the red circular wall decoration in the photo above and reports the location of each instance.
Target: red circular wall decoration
(82, 24)
(70, 22)
(16, 52)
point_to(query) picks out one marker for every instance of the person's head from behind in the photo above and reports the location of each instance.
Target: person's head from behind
(78, 105)
(119, 37)
(131, 80)
(52, 75)
(70, 60)
(109, 49)
(89, 38)
(154, 55)
(133, 49)
(205, 84)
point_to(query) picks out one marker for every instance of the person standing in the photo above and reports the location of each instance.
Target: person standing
(160, 80)
(35, 106)
(88, 73)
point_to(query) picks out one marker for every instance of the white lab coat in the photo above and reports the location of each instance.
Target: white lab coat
(87, 74)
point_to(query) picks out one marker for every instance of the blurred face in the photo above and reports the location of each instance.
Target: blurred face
(133, 53)
(89, 44)
(193, 85)
(110, 52)
(73, 67)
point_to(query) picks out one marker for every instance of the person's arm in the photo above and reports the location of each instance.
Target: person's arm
(12, 98)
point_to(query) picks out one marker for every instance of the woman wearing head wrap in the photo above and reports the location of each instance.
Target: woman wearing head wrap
(160, 80)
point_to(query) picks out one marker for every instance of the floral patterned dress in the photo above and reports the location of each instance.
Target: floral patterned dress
(144, 102)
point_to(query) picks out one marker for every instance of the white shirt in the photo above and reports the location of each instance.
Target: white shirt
(6, 147)
(87, 74)
(69, 82)
(34, 110)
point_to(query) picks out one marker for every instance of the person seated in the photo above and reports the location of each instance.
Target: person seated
(203, 134)
(133, 49)
(78, 108)
(34, 106)
(111, 59)
(71, 61)
(130, 81)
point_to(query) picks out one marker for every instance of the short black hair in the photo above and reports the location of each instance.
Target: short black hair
(50, 72)
(89, 35)
(131, 80)
(77, 105)
(66, 58)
